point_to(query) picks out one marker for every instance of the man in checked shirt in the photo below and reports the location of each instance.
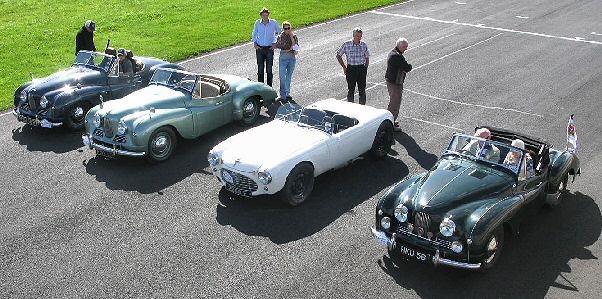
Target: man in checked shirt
(357, 65)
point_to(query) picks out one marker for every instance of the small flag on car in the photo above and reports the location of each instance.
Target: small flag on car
(571, 136)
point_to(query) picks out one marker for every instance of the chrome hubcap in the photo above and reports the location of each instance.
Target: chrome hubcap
(491, 249)
(161, 144)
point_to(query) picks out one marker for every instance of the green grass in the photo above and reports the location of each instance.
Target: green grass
(38, 36)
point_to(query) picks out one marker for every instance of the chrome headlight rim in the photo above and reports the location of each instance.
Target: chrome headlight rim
(264, 177)
(43, 102)
(213, 159)
(97, 119)
(447, 227)
(23, 95)
(122, 127)
(401, 213)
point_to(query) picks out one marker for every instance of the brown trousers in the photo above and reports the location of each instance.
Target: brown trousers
(395, 91)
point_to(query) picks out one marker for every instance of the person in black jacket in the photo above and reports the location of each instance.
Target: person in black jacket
(84, 40)
(397, 68)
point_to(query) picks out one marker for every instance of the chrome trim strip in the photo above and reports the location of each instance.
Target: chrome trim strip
(114, 150)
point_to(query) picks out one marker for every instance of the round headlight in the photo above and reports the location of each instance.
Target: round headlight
(97, 119)
(122, 127)
(401, 213)
(456, 246)
(385, 223)
(264, 177)
(213, 159)
(23, 95)
(43, 102)
(447, 227)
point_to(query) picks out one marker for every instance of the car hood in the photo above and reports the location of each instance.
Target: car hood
(65, 78)
(454, 183)
(153, 96)
(271, 143)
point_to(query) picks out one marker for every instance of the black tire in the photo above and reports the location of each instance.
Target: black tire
(76, 116)
(382, 141)
(553, 200)
(161, 145)
(299, 184)
(250, 111)
(493, 249)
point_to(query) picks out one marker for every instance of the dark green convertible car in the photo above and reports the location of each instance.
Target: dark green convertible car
(176, 104)
(457, 213)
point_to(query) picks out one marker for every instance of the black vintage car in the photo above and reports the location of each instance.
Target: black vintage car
(63, 98)
(457, 213)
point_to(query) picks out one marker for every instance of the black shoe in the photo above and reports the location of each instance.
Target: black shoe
(288, 98)
(396, 127)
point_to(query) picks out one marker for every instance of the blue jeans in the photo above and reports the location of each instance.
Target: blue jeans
(265, 60)
(287, 66)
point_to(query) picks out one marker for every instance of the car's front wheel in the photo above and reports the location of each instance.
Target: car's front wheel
(76, 116)
(161, 145)
(299, 184)
(250, 111)
(493, 249)
(382, 141)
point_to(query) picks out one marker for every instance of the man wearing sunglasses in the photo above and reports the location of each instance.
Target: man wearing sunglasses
(264, 35)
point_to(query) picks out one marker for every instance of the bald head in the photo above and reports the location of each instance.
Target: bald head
(483, 133)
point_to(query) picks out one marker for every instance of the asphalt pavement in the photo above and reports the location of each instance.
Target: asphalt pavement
(77, 226)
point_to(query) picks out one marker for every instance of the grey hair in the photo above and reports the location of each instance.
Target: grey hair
(357, 30)
(400, 41)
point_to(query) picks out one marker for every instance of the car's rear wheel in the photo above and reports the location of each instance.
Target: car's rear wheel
(299, 184)
(161, 145)
(382, 141)
(250, 111)
(76, 116)
(493, 249)
(553, 200)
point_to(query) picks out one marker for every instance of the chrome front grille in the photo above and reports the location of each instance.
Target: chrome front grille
(108, 129)
(241, 182)
(120, 138)
(98, 132)
(423, 224)
(31, 100)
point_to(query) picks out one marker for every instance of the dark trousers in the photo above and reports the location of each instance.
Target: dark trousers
(265, 60)
(356, 74)
(395, 92)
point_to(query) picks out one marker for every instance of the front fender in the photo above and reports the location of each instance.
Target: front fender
(562, 162)
(180, 119)
(489, 217)
(399, 193)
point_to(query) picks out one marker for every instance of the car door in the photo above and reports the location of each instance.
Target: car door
(209, 113)
(120, 86)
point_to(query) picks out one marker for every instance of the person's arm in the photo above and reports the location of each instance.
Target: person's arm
(254, 36)
(340, 59)
(367, 61)
(405, 66)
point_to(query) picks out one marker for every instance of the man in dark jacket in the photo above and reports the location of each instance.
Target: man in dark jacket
(397, 67)
(84, 40)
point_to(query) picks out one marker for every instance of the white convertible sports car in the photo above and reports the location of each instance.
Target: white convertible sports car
(285, 155)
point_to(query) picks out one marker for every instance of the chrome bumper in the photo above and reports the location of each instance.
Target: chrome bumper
(38, 122)
(88, 141)
(382, 238)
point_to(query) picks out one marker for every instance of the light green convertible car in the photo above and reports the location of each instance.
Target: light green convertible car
(176, 104)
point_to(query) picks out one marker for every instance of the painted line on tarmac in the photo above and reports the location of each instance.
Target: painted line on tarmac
(431, 123)
(481, 26)
(412, 48)
(6, 113)
(300, 29)
(458, 51)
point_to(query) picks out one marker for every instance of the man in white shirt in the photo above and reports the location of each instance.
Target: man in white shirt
(264, 36)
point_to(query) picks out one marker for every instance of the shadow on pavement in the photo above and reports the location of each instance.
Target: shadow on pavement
(56, 140)
(335, 193)
(425, 159)
(136, 174)
(532, 262)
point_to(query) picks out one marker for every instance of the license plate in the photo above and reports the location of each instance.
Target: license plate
(105, 154)
(237, 191)
(28, 120)
(227, 177)
(414, 254)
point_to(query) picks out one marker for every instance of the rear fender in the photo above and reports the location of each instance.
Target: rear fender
(562, 162)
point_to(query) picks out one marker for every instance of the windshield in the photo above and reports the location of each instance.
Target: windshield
(174, 78)
(94, 60)
(306, 117)
(485, 150)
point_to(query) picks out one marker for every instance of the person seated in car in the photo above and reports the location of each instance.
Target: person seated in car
(125, 65)
(483, 149)
(513, 160)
